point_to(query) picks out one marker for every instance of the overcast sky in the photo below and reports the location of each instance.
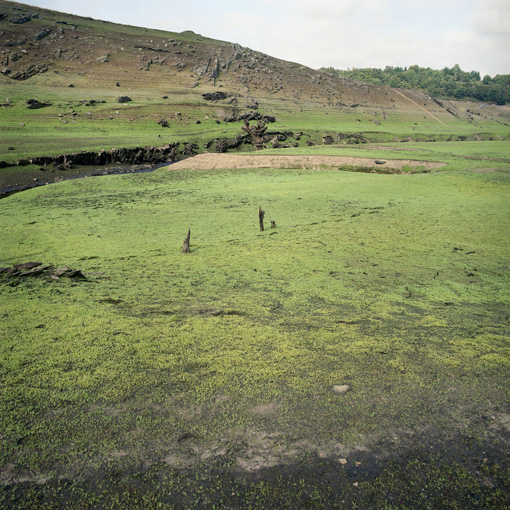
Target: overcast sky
(340, 33)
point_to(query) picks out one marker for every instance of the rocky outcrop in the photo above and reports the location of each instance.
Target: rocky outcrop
(20, 20)
(31, 70)
(30, 269)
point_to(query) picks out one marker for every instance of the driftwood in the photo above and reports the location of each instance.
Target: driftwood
(261, 218)
(256, 132)
(186, 243)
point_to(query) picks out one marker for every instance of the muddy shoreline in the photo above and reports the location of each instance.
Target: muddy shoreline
(37, 178)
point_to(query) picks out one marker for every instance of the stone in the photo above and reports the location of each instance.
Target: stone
(44, 33)
(341, 388)
(342, 461)
(123, 99)
(215, 96)
(34, 104)
(21, 19)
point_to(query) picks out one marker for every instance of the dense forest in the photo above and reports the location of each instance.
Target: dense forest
(451, 83)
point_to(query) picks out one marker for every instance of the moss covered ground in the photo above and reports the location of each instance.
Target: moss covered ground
(205, 380)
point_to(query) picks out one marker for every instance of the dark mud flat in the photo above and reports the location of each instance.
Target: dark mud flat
(419, 476)
(12, 180)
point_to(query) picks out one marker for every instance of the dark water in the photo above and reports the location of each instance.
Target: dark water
(80, 173)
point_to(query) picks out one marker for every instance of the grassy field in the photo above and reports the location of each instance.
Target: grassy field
(207, 380)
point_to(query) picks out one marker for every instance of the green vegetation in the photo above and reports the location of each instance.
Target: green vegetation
(445, 83)
(205, 380)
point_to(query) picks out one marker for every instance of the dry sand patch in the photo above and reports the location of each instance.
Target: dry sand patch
(235, 161)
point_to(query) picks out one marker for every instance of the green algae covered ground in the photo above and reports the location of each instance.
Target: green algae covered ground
(206, 380)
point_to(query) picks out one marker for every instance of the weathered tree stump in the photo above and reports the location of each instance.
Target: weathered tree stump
(273, 224)
(261, 218)
(186, 243)
(256, 132)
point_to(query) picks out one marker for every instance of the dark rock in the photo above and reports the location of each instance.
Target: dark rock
(15, 43)
(163, 123)
(328, 140)
(21, 19)
(379, 162)
(215, 96)
(123, 99)
(34, 104)
(44, 33)
(31, 70)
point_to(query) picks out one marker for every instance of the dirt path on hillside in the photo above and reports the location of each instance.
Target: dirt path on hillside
(419, 106)
(233, 161)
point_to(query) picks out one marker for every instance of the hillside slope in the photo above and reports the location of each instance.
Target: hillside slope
(79, 67)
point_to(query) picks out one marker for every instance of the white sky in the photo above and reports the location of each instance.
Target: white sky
(340, 33)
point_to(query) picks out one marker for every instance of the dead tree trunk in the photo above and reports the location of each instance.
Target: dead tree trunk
(185, 244)
(256, 132)
(261, 218)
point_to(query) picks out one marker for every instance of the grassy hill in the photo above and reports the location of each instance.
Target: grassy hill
(80, 67)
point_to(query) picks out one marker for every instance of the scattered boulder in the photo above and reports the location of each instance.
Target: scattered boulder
(215, 96)
(124, 99)
(328, 140)
(34, 104)
(22, 19)
(44, 33)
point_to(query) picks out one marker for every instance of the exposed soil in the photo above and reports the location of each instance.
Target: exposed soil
(233, 161)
